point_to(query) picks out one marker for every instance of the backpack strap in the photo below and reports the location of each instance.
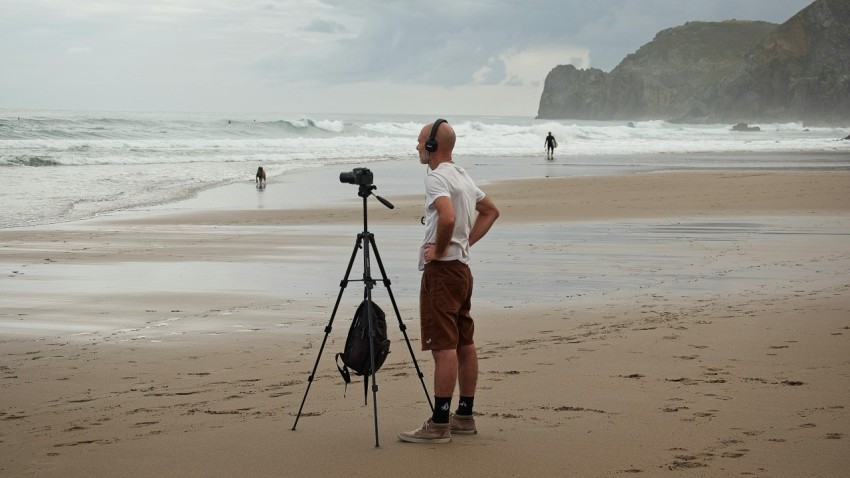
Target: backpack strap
(365, 389)
(346, 375)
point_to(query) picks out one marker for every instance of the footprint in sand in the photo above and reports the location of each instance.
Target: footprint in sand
(684, 462)
(143, 424)
(633, 376)
(735, 454)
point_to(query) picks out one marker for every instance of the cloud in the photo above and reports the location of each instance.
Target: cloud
(177, 54)
(325, 26)
(453, 43)
(531, 66)
(79, 50)
(478, 44)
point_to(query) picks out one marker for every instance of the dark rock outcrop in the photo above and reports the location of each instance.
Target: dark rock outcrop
(801, 71)
(720, 72)
(575, 93)
(745, 127)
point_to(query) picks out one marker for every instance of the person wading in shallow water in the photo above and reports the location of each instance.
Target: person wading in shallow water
(457, 215)
(551, 144)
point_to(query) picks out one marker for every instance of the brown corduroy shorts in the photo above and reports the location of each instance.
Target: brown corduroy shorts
(445, 298)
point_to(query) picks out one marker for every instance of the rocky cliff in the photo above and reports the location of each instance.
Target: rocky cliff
(720, 71)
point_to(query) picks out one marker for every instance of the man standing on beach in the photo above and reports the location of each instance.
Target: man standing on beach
(551, 144)
(457, 215)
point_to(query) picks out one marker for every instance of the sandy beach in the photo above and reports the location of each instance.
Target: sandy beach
(659, 324)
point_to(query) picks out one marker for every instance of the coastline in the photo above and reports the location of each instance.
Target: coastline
(635, 323)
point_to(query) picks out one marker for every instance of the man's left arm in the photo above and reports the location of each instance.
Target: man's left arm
(487, 215)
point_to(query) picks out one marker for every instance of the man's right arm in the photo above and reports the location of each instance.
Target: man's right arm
(445, 225)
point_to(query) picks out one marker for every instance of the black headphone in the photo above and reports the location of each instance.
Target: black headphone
(431, 144)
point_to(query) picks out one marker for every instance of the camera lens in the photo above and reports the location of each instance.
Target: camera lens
(346, 178)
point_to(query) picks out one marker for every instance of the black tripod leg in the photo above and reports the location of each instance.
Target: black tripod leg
(342, 285)
(401, 325)
(374, 397)
(370, 314)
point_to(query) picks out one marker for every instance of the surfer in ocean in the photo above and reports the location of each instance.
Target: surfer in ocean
(551, 144)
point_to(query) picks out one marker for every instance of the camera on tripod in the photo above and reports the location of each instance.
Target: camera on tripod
(360, 176)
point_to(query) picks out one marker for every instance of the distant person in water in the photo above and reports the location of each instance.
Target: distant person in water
(260, 177)
(551, 144)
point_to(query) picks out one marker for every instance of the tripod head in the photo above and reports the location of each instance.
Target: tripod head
(366, 191)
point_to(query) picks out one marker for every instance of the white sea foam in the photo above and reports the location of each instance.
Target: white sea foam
(64, 165)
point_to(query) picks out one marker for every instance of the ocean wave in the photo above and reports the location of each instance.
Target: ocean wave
(81, 127)
(30, 161)
(94, 156)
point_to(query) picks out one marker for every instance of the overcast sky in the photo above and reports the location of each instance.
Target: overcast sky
(476, 57)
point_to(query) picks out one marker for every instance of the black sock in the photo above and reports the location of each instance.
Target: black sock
(442, 405)
(464, 406)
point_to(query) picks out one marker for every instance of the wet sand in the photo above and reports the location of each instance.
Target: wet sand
(636, 324)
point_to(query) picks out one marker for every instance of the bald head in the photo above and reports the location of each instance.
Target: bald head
(445, 138)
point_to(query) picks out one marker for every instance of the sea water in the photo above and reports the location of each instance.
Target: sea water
(65, 165)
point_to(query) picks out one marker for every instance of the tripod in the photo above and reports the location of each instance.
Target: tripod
(365, 240)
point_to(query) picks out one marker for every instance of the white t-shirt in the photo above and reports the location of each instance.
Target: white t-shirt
(452, 181)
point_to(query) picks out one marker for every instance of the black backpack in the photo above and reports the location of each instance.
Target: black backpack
(355, 356)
